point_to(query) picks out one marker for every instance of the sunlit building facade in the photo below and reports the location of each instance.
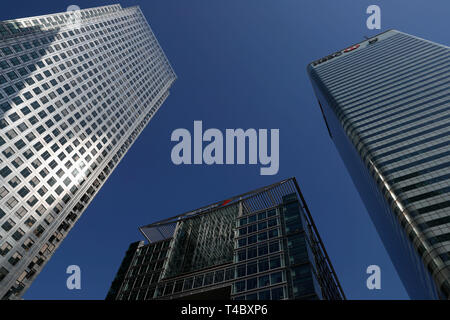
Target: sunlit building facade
(76, 90)
(260, 245)
(386, 104)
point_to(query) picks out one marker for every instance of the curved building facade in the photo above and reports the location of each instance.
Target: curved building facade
(386, 104)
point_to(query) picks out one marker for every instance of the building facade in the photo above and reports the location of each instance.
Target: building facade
(260, 245)
(76, 90)
(386, 104)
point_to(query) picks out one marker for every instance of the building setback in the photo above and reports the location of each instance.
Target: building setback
(259, 245)
(386, 104)
(76, 90)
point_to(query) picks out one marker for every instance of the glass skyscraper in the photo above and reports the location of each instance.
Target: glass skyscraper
(76, 90)
(386, 104)
(259, 245)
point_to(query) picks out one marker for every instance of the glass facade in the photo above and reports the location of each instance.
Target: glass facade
(194, 239)
(386, 105)
(258, 246)
(74, 96)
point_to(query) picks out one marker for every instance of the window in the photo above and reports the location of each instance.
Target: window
(262, 249)
(40, 210)
(30, 221)
(242, 231)
(262, 236)
(273, 233)
(23, 191)
(188, 284)
(21, 212)
(219, 276)
(252, 239)
(242, 242)
(18, 234)
(274, 246)
(27, 244)
(252, 283)
(3, 192)
(252, 252)
(272, 222)
(252, 228)
(34, 181)
(15, 258)
(278, 293)
(241, 270)
(263, 265)
(25, 172)
(42, 191)
(14, 181)
(39, 231)
(229, 274)
(5, 248)
(198, 282)
(32, 201)
(50, 200)
(178, 286)
(11, 203)
(5, 171)
(263, 281)
(239, 286)
(271, 213)
(276, 277)
(262, 225)
(209, 279)
(252, 268)
(242, 255)
(8, 152)
(3, 273)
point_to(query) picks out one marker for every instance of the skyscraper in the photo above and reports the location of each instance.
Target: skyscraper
(259, 245)
(386, 105)
(76, 90)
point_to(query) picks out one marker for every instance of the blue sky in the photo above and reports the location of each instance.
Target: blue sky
(240, 64)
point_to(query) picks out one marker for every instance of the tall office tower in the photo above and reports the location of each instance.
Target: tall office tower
(386, 105)
(76, 90)
(259, 245)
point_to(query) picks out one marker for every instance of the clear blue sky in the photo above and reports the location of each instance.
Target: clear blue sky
(240, 64)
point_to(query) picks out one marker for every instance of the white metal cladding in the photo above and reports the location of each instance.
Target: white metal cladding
(73, 101)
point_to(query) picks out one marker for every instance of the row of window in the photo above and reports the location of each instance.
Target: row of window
(258, 227)
(14, 27)
(258, 266)
(257, 217)
(259, 282)
(255, 238)
(278, 293)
